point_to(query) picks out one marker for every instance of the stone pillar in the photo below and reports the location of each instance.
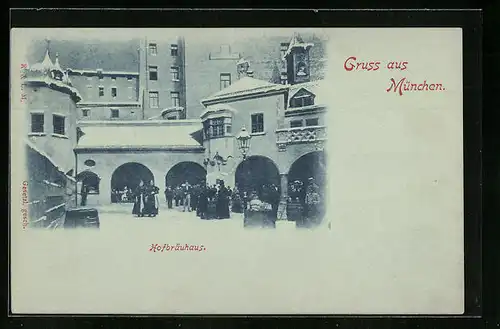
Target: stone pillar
(105, 190)
(282, 213)
(284, 186)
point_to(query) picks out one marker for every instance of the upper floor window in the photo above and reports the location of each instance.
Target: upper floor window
(216, 128)
(113, 78)
(37, 122)
(129, 78)
(284, 80)
(302, 98)
(58, 122)
(257, 123)
(174, 50)
(295, 123)
(225, 80)
(101, 91)
(113, 92)
(153, 73)
(172, 117)
(115, 113)
(175, 72)
(153, 50)
(85, 113)
(175, 99)
(312, 122)
(153, 99)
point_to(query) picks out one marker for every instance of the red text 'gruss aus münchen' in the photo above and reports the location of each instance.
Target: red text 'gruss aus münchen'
(402, 85)
(157, 247)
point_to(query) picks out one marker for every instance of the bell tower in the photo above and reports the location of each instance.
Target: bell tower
(297, 60)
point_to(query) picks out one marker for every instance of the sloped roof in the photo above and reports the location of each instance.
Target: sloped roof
(244, 86)
(59, 167)
(161, 134)
(212, 109)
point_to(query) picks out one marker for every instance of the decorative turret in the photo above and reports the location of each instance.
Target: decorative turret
(57, 71)
(51, 74)
(297, 60)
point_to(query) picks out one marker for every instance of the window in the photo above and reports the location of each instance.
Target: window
(115, 113)
(175, 72)
(257, 123)
(283, 48)
(295, 123)
(228, 129)
(131, 92)
(174, 50)
(153, 50)
(113, 78)
(37, 122)
(175, 99)
(312, 122)
(284, 80)
(153, 99)
(89, 91)
(225, 80)
(172, 118)
(217, 127)
(58, 121)
(129, 78)
(153, 73)
(85, 112)
(101, 91)
(113, 92)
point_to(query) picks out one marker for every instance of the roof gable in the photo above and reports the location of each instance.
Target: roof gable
(302, 92)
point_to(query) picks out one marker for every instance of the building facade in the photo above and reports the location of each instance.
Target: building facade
(211, 67)
(286, 123)
(51, 137)
(114, 156)
(163, 78)
(156, 90)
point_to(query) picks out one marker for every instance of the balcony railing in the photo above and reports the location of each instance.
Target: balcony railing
(308, 134)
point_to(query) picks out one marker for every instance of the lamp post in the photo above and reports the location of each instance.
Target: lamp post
(243, 139)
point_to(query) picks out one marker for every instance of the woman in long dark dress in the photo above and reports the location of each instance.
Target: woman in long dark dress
(151, 199)
(138, 196)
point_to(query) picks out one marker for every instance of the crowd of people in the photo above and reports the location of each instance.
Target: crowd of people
(218, 201)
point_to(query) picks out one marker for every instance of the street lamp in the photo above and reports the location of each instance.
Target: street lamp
(243, 139)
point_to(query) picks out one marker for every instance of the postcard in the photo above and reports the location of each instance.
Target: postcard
(237, 171)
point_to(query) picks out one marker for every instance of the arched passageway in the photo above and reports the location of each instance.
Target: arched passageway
(191, 172)
(255, 172)
(313, 165)
(126, 178)
(90, 180)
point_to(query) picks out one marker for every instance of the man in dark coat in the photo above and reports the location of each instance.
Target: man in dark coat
(169, 195)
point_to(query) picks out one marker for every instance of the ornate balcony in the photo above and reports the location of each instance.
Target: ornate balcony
(312, 134)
